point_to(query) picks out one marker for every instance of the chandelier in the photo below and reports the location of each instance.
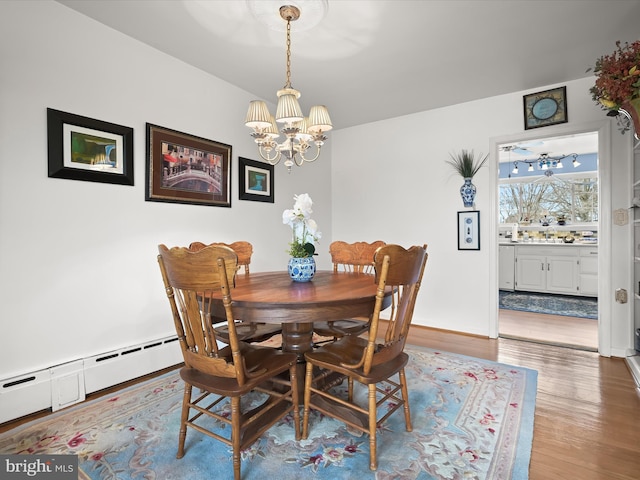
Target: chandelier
(300, 133)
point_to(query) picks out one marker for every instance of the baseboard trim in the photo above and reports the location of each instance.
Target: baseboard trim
(633, 363)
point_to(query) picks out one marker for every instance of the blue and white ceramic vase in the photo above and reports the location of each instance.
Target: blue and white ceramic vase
(302, 269)
(468, 193)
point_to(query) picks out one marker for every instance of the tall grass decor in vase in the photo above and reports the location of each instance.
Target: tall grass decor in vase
(302, 266)
(467, 165)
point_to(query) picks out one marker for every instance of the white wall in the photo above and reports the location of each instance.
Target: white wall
(79, 274)
(390, 182)
(78, 259)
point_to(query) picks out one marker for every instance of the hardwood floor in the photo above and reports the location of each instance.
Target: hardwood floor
(587, 420)
(553, 329)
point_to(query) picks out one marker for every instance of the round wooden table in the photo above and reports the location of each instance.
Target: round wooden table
(272, 297)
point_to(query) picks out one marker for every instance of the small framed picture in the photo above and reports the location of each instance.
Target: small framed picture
(82, 148)
(256, 180)
(545, 108)
(183, 168)
(469, 230)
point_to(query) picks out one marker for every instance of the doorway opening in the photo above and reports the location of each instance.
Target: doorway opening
(548, 194)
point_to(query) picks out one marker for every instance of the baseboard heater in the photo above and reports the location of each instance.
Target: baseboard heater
(63, 385)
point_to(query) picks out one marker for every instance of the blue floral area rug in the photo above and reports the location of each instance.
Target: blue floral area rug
(472, 419)
(568, 306)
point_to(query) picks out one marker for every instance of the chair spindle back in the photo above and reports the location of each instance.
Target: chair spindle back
(354, 257)
(192, 280)
(401, 270)
(243, 249)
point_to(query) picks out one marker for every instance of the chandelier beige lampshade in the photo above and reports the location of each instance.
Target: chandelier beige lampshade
(319, 120)
(258, 115)
(272, 130)
(303, 130)
(288, 110)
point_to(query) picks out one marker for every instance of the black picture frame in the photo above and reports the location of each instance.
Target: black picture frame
(469, 230)
(83, 148)
(545, 108)
(255, 179)
(184, 168)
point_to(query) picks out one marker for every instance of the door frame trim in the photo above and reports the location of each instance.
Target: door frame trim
(604, 220)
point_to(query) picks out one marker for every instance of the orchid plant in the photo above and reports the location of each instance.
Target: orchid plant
(305, 229)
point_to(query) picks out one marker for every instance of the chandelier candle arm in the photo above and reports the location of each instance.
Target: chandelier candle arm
(300, 132)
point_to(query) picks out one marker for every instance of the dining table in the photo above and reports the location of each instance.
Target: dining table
(273, 297)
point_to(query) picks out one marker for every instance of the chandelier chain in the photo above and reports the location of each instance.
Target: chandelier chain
(288, 84)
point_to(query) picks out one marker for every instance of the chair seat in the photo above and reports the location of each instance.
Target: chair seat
(340, 328)
(267, 361)
(349, 350)
(250, 332)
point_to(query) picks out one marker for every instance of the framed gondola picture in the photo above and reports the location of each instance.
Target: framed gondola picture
(184, 168)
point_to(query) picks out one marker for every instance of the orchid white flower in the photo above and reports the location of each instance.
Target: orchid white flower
(312, 228)
(305, 229)
(288, 217)
(303, 205)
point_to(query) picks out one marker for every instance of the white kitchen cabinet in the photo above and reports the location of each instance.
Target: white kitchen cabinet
(589, 272)
(506, 271)
(530, 273)
(549, 271)
(562, 274)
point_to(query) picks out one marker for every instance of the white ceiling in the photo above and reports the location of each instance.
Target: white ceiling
(369, 60)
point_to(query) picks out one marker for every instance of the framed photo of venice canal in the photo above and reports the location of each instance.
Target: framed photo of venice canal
(183, 168)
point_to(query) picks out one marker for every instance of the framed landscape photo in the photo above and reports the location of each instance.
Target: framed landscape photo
(183, 168)
(469, 230)
(545, 108)
(82, 148)
(256, 180)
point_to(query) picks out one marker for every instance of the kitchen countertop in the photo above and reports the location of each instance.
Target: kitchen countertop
(549, 244)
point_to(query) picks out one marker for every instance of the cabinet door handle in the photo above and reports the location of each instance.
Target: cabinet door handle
(548, 266)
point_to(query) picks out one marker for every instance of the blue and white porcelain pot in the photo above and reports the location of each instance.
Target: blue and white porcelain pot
(302, 269)
(468, 193)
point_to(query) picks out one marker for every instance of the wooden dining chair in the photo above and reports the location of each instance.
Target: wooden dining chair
(348, 257)
(249, 332)
(366, 362)
(191, 281)
(243, 249)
